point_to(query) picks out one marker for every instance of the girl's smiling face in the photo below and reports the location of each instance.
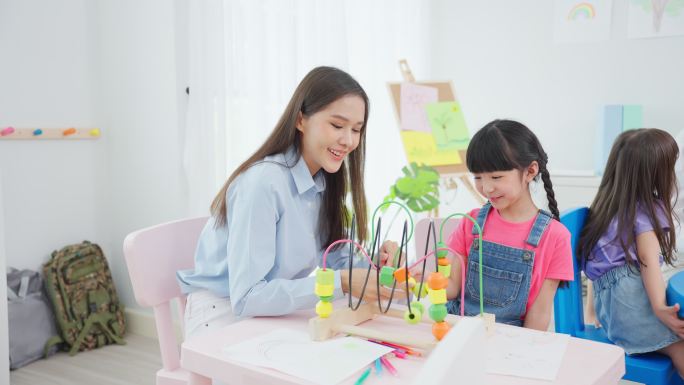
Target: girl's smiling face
(504, 189)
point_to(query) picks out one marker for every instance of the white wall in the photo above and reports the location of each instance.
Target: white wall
(51, 188)
(504, 64)
(138, 97)
(106, 64)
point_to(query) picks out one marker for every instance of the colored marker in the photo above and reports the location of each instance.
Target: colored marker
(389, 366)
(378, 366)
(363, 376)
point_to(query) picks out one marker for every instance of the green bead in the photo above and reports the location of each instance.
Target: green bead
(445, 270)
(415, 305)
(325, 277)
(327, 298)
(387, 276)
(441, 253)
(437, 312)
(413, 317)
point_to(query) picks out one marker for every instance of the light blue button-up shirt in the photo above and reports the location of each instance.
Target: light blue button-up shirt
(262, 258)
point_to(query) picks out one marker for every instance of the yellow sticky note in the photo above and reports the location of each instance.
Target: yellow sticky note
(421, 148)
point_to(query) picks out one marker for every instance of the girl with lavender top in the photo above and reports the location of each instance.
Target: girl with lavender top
(629, 233)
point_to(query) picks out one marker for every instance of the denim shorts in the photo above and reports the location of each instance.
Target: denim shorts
(624, 310)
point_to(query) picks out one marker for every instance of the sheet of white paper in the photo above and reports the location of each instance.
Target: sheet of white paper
(525, 352)
(293, 352)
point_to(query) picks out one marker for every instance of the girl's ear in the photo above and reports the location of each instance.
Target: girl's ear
(531, 171)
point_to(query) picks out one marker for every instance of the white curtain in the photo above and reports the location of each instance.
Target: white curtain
(247, 57)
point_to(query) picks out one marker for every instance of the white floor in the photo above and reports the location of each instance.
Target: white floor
(134, 363)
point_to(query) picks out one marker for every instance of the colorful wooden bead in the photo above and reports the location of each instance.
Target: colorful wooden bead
(443, 261)
(437, 296)
(437, 281)
(413, 316)
(323, 309)
(441, 253)
(437, 312)
(327, 298)
(440, 329)
(324, 290)
(417, 305)
(445, 270)
(412, 282)
(400, 274)
(387, 276)
(423, 289)
(325, 277)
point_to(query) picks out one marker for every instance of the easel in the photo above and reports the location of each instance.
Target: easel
(444, 93)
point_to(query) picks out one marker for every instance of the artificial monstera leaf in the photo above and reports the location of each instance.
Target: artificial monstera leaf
(418, 188)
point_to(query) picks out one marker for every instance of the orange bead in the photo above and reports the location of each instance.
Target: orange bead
(400, 274)
(440, 329)
(443, 261)
(437, 281)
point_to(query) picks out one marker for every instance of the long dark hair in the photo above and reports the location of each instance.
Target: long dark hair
(639, 174)
(319, 88)
(504, 145)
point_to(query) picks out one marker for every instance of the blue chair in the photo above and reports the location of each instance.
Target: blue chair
(651, 368)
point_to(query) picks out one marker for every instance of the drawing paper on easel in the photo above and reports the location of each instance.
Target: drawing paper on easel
(448, 125)
(522, 352)
(421, 147)
(292, 352)
(414, 98)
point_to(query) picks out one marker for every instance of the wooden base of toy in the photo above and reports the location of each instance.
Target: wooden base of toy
(346, 321)
(490, 322)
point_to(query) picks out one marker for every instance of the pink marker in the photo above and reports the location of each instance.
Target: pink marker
(389, 366)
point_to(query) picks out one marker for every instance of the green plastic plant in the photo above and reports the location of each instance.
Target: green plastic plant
(418, 188)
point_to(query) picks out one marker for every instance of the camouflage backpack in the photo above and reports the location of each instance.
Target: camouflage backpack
(80, 287)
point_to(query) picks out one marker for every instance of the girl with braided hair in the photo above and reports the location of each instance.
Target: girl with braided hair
(525, 251)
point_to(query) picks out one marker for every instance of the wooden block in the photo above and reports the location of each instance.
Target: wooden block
(490, 322)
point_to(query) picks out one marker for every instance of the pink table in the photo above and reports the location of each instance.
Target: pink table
(585, 362)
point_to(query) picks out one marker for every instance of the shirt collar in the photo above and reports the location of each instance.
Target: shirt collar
(301, 174)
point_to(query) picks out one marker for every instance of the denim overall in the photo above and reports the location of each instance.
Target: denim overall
(506, 273)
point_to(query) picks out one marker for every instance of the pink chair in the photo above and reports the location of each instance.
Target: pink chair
(153, 255)
(421, 233)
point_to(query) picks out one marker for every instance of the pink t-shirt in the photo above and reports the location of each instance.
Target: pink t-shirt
(552, 257)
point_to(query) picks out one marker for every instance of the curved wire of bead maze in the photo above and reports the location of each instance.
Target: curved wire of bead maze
(329, 322)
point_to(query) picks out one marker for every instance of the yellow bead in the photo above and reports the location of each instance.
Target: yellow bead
(325, 277)
(445, 270)
(323, 309)
(412, 282)
(437, 296)
(417, 287)
(413, 317)
(324, 290)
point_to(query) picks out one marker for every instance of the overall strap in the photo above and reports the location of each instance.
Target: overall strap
(540, 224)
(482, 217)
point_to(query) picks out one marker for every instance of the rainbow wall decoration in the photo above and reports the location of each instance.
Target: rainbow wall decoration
(582, 11)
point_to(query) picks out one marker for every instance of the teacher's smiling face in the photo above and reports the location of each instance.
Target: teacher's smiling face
(330, 134)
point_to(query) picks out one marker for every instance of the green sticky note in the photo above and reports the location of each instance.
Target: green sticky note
(448, 126)
(632, 117)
